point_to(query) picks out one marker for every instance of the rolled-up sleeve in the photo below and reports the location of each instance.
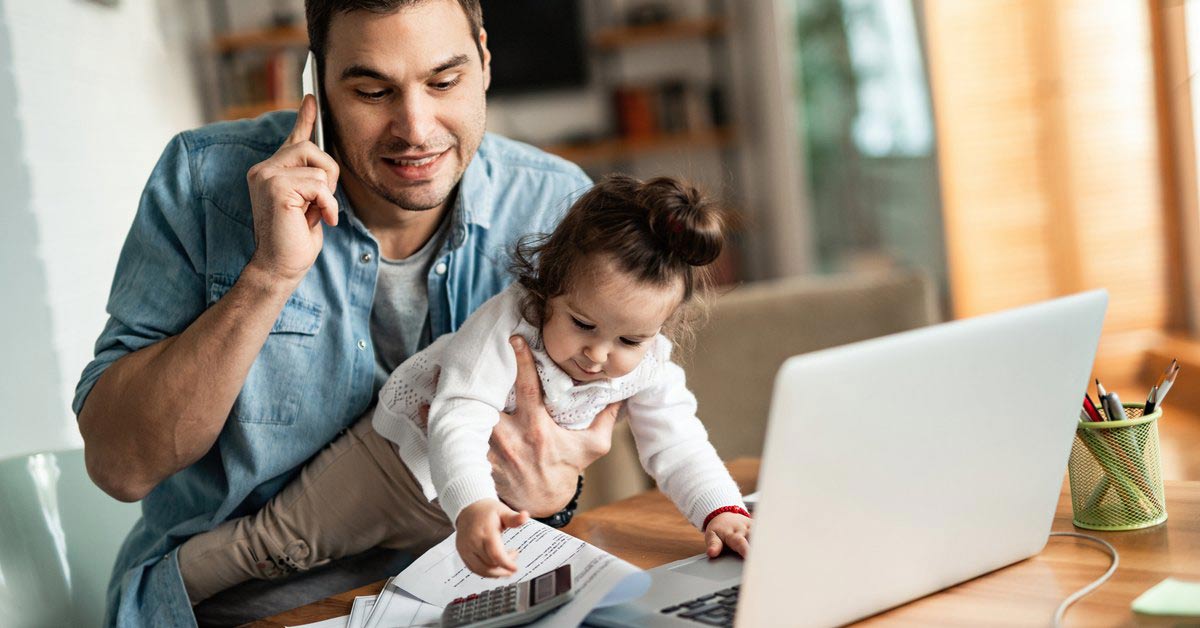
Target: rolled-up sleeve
(158, 288)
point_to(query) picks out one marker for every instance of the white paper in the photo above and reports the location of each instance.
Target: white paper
(395, 608)
(336, 622)
(360, 609)
(599, 578)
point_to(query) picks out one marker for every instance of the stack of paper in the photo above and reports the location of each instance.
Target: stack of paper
(417, 596)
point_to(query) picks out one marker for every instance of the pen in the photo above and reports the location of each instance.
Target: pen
(1089, 409)
(1114, 409)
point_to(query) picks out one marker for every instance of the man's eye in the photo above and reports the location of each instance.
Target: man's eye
(371, 95)
(631, 342)
(443, 86)
(582, 325)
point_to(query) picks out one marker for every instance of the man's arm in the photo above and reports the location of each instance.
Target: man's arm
(159, 409)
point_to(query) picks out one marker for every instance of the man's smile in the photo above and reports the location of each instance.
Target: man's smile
(415, 167)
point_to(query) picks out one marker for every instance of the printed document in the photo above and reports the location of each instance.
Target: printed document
(599, 578)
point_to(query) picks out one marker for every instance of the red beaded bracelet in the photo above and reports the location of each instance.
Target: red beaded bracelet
(738, 509)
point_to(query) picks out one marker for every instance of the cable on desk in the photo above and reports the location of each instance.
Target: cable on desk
(1076, 596)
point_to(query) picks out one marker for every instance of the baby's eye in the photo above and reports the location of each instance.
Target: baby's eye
(631, 342)
(582, 325)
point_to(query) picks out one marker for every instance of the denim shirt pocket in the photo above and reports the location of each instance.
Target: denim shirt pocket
(274, 386)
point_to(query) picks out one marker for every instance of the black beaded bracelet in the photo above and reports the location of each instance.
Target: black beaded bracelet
(563, 517)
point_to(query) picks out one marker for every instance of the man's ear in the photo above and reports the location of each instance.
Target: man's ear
(487, 59)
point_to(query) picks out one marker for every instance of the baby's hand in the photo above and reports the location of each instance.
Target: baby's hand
(479, 526)
(728, 529)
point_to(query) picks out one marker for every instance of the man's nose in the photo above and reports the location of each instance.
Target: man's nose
(413, 119)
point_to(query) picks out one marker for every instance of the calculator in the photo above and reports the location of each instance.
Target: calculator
(511, 605)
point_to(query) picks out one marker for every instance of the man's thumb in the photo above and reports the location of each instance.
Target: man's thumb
(528, 384)
(607, 417)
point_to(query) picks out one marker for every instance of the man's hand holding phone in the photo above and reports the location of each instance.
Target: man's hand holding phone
(291, 193)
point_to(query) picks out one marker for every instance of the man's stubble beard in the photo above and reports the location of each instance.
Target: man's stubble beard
(349, 162)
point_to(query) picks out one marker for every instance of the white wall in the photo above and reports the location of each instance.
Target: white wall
(89, 96)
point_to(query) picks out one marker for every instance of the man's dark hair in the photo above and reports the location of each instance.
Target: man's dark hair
(320, 13)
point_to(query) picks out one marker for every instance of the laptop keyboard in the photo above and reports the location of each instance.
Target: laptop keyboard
(714, 609)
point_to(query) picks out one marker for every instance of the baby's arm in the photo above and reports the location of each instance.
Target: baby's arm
(674, 449)
(477, 372)
(478, 369)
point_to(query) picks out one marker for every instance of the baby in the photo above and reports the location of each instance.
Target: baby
(595, 301)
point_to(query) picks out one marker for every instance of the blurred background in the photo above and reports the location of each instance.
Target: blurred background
(894, 163)
(1008, 150)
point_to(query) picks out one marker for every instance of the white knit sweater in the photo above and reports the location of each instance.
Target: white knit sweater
(467, 378)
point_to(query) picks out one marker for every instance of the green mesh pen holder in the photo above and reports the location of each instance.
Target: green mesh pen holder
(1116, 478)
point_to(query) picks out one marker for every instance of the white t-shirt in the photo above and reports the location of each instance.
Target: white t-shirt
(467, 378)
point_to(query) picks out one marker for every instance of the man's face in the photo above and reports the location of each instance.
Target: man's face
(406, 96)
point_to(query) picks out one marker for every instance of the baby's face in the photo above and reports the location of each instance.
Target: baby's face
(601, 329)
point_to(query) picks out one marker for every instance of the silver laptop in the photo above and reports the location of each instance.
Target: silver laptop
(894, 468)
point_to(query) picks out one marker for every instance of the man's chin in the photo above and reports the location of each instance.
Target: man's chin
(417, 197)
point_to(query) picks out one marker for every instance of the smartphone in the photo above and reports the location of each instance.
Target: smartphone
(310, 83)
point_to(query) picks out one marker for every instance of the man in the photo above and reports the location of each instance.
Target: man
(266, 289)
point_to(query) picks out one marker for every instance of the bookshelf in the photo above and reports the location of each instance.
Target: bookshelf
(261, 39)
(612, 38)
(621, 148)
(258, 69)
(675, 110)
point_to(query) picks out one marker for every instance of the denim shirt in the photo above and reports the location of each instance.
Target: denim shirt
(315, 375)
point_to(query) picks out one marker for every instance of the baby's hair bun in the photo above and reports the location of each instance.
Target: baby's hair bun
(684, 221)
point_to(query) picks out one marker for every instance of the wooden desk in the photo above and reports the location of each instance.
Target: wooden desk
(647, 531)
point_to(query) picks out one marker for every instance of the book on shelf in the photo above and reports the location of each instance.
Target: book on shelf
(268, 79)
(670, 107)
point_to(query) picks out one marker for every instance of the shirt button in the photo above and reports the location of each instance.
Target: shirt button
(365, 258)
(362, 344)
(440, 268)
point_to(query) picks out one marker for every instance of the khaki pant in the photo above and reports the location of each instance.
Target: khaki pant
(356, 494)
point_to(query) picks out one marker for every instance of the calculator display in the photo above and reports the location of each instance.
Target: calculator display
(542, 589)
(513, 604)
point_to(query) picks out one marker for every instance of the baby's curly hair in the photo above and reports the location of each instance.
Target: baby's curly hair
(658, 231)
